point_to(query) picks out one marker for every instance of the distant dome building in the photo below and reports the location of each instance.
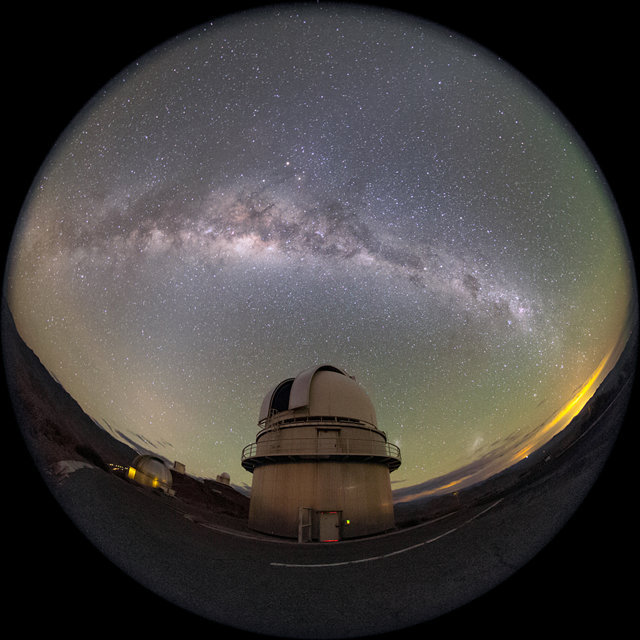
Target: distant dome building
(223, 478)
(151, 471)
(320, 464)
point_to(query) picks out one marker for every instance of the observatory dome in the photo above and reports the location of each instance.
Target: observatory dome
(320, 464)
(223, 478)
(151, 471)
(320, 391)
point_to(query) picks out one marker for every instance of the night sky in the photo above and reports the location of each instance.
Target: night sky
(320, 184)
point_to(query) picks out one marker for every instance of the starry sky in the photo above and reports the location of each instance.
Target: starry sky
(300, 185)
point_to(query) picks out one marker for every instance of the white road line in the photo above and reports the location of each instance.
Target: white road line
(369, 559)
(391, 553)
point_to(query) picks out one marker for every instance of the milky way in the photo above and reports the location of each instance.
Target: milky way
(342, 185)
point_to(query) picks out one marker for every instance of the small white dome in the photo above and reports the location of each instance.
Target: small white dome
(151, 471)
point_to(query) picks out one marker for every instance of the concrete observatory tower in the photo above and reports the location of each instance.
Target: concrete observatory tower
(320, 464)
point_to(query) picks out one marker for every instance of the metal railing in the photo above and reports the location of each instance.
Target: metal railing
(270, 424)
(320, 447)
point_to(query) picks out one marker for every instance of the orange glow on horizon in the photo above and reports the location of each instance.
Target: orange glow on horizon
(439, 489)
(569, 411)
(554, 425)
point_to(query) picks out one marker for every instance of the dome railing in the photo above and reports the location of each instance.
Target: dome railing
(270, 423)
(269, 450)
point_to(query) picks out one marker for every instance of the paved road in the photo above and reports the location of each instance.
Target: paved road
(313, 590)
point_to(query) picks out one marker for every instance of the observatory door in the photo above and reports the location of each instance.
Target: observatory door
(329, 526)
(305, 524)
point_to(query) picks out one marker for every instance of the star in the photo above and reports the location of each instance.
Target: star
(312, 184)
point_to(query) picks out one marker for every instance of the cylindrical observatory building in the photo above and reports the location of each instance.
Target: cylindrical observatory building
(320, 464)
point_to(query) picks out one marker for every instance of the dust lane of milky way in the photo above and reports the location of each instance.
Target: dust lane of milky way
(320, 184)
